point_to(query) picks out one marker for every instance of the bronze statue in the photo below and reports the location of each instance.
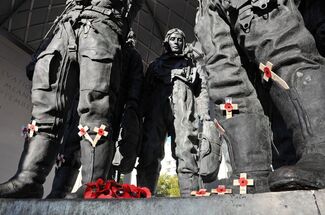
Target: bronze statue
(85, 47)
(126, 117)
(314, 18)
(172, 83)
(289, 61)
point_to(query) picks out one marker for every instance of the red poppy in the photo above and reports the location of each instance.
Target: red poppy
(119, 192)
(229, 107)
(267, 72)
(100, 132)
(144, 192)
(112, 189)
(94, 189)
(201, 192)
(243, 182)
(82, 131)
(31, 127)
(221, 189)
(132, 190)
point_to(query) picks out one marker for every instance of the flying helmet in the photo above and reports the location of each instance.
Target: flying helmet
(169, 33)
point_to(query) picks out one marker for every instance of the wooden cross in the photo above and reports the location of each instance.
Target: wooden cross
(60, 160)
(269, 74)
(32, 128)
(243, 182)
(228, 107)
(221, 190)
(83, 133)
(201, 192)
(100, 132)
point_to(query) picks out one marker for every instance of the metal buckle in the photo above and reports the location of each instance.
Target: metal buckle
(72, 48)
(262, 4)
(245, 17)
(200, 136)
(72, 51)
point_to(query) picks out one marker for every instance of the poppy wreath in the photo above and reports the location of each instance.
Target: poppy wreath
(111, 189)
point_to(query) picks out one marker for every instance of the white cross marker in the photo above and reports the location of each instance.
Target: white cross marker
(100, 132)
(32, 128)
(268, 73)
(243, 182)
(83, 133)
(201, 192)
(221, 190)
(228, 107)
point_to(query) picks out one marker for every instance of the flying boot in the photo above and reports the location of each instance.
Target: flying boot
(35, 164)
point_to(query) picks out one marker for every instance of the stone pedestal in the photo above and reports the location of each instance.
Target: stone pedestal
(295, 202)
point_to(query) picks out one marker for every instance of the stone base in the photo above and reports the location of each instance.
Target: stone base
(294, 202)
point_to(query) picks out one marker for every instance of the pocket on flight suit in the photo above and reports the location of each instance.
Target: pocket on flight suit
(96, 69)
(209, 153)
(97, 54)
(100, 59)
(45, 70)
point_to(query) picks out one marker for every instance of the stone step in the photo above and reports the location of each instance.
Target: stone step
(294, 202)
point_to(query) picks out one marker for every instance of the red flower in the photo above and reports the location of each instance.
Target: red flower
(267, 72)
(82, 131)
(119, 192)
(100, 132)
(105, 194)
(228, 107)
(243, 182)
(94, 189)
(31, 127)
(131, 190)
(201, 192)
(221, 189)
(111, 189)
(144, 192)
(106, 191)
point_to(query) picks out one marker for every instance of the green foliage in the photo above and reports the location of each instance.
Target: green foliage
(168, 186)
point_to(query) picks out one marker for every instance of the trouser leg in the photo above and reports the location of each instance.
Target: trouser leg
(155, 129)
(186, 138)
(292, 51)
(151, 154)
(249, 146)
(129, 144)
(99, 83)
(187, 167)
(148, 176)
(68, 159)
(50, 96)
